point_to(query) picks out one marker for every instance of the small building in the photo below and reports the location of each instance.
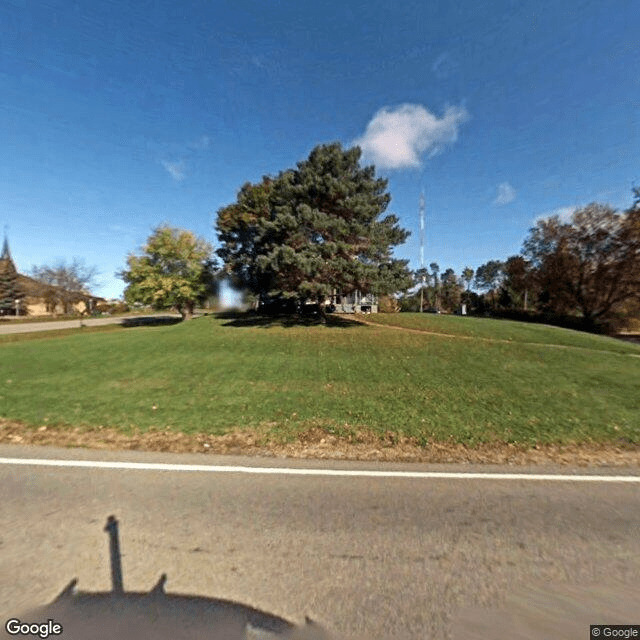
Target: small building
(355, 302)
(35, 298)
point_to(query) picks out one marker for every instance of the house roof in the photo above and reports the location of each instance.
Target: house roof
(32, 288)
(35, 289)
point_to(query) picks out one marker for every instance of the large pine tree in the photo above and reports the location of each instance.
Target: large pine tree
(314, 229)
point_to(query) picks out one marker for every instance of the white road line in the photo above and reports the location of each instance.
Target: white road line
(363, 473)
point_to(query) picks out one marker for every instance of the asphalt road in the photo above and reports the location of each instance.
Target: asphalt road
(51, 325)
(368, 557)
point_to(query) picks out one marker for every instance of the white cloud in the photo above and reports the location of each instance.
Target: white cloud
(506, 194)
(564, 213)
(176, 169)
(397, 138)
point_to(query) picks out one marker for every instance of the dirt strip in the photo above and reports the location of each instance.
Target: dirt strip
(317, 443)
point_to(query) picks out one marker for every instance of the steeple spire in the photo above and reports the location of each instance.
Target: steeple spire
(6, 254)
(6, 261)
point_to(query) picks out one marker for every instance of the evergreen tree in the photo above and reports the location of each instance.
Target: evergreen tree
(451, 290)
(9, 290)
(467, 276)
(314, 229)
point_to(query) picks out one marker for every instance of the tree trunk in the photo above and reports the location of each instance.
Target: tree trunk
(187, 311)
(323, 310)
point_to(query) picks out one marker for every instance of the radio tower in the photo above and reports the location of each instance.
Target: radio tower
(421, 209)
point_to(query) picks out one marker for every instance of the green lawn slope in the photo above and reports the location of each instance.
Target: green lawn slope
(492, 381)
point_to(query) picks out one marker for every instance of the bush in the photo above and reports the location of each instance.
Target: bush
(388, 304)
(116, 307)
(409, 304)
(120, 307)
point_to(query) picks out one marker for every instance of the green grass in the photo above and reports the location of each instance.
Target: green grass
(498, 330)
(208, 376)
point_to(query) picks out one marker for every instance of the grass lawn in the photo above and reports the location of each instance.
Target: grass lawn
(499, 330)
(498, 381)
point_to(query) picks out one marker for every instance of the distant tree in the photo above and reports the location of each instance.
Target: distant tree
(435, 270)
(422, 279)
(489, 277)
(409, 302)
(68, 284)
(174, 270)
(451, 291)
(590, 264)
(9, 290)
(314, 229)
(467, 276)
(517, 283)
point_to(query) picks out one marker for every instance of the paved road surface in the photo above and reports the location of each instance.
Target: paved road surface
(376, 558)
(28, 327)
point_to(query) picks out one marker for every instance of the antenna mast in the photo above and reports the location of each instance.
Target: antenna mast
(421, 210)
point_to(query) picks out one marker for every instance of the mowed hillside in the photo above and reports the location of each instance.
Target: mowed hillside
(429, 378)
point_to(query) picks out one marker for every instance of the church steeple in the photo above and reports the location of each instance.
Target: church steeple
(6, 254)
(6, 261)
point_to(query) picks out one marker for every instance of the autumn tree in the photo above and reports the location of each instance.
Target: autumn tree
(314, 230)
(517, 283)
(68, 282)
(174, 270)
(590, 264)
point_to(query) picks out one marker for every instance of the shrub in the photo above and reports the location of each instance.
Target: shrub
(388, 304)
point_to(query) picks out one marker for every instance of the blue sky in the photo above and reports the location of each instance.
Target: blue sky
(117, 116)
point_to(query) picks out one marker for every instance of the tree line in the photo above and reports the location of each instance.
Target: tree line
(584, 271)
(322, 228)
